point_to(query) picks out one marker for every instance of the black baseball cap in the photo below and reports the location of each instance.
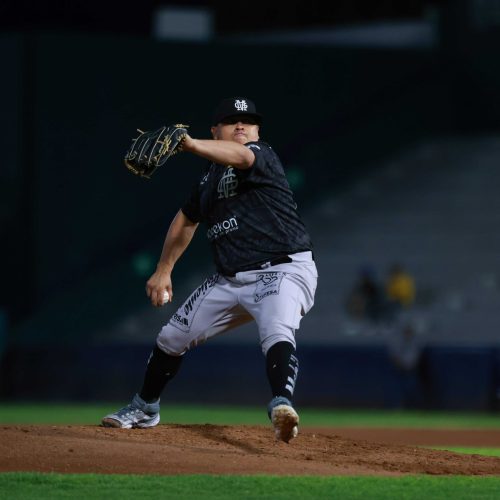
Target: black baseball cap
(236, 106)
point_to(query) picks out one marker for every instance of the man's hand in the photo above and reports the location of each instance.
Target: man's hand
(156, 286)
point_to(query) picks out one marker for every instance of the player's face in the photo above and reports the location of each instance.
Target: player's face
(237, 129)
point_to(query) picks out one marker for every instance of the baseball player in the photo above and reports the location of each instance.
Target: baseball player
(264, 262)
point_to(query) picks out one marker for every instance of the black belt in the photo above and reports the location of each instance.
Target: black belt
(262, 265)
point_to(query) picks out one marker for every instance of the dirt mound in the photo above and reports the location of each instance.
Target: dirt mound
(214, 449)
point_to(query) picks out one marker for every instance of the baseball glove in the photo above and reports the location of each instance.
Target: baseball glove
(152, 149)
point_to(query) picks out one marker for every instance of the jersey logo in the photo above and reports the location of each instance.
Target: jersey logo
(268, 284)
(227, 184)
(241, 105)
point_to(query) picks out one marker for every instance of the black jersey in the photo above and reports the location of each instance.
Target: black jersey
(250, 214)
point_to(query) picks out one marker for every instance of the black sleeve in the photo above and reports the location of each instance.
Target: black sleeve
(263, 156)
(267, 166)
(191, 207)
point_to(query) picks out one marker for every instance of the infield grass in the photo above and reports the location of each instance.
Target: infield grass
(229, 415)
(27, 486)
(490, 452)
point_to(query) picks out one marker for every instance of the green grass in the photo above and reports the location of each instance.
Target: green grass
(490, 452)
(189, 414)
(93, 487)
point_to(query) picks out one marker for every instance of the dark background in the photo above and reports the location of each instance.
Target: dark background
(79, 232)
(230, 17)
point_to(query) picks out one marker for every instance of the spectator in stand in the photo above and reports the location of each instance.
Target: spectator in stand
(405, 353)
(399, 289)
(366, 301)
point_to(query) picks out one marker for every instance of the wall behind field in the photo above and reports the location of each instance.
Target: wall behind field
(76, 101)
(447, 378)
(72, 216)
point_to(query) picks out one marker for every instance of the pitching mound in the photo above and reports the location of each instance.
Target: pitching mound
(213, 449)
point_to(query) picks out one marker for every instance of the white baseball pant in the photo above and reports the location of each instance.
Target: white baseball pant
(276, 298)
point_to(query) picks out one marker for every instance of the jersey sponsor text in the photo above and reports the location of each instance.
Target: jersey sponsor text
(222, 228)
(201, 290)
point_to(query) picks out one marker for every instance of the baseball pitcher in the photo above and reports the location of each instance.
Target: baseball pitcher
(265, 270)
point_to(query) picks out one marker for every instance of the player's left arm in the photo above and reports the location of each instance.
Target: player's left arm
(221, 152)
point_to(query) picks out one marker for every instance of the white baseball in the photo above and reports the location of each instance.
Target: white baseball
(166, 296)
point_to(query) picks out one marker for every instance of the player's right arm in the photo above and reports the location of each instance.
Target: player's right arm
(179, 235)
(221, 152)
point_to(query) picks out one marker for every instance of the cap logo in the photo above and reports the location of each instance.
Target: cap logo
(241, 105)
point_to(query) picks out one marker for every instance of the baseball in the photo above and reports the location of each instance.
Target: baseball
(166, 296)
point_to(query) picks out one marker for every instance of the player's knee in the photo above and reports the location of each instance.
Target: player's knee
(172, 341)
(273, 335)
